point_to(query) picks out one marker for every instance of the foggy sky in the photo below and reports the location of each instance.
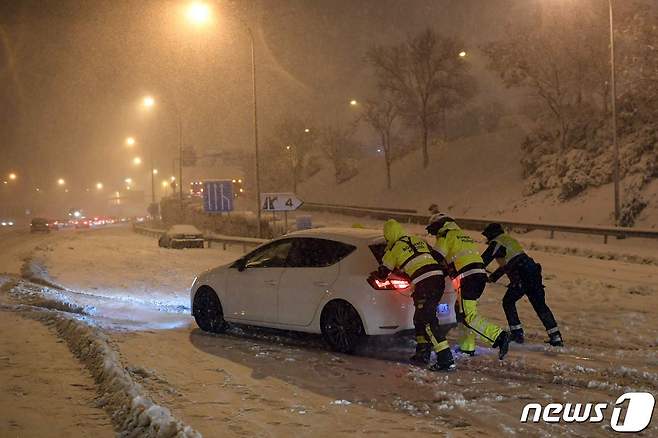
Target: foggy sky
(74, 71)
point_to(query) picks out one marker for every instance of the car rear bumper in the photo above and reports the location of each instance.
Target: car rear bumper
(187, 243)
(387, 312)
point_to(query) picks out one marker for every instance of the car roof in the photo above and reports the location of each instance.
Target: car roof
(184, 229)
(341, 234)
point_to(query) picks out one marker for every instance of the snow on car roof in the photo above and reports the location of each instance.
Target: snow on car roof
(184, 229)
(343, 234)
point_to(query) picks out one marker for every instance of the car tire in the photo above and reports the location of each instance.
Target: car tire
(208, 312)
(341, 326)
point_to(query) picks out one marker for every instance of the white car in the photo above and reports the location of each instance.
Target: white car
(314, 281)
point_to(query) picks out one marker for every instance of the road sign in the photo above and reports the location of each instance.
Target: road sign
(218, 196)
(279, 202)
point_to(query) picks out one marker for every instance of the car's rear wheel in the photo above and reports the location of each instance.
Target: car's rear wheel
(208, 312)
(341, 326)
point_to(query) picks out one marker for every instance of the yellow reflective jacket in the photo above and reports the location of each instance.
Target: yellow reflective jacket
(511, 245)
(456, 246)
(405, 252)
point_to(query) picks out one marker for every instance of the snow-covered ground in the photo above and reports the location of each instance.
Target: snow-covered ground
(257, 382)
(125, 277)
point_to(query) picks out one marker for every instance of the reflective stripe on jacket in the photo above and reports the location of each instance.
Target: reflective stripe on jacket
(456, 246)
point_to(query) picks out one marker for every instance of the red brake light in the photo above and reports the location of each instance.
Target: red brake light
(390, 283)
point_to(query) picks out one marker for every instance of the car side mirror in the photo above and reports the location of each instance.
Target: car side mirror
(241, 264)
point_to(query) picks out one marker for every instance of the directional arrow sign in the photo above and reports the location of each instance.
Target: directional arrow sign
(218, 196)
(279, 202)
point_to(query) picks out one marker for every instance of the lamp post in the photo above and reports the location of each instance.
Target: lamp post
(613, 107)
(200, 14)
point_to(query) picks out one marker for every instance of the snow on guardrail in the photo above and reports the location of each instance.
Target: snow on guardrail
(211, 238)
(478, 224)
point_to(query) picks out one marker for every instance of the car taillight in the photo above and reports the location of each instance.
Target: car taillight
(391, 283)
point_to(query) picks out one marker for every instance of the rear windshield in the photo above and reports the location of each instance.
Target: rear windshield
(378, 250)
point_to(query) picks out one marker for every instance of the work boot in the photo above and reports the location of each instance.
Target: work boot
(422, 356)
(444, 361)
(466, 352)
(516, 336)
(556, 340)
(502, 343)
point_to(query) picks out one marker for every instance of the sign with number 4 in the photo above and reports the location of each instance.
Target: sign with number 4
(279, 202)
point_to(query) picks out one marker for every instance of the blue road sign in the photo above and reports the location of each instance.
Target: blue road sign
(218, 196)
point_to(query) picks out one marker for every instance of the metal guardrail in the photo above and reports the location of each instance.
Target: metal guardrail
(478, 224)
(225, 241)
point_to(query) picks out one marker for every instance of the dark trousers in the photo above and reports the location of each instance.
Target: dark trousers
(427, 295)
(526, 279)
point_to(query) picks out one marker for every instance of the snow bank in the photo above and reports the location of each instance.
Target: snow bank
(132, 412)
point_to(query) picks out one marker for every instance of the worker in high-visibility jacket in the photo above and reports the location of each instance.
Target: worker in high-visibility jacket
(412, 255)
(467, 269)
(525, 279)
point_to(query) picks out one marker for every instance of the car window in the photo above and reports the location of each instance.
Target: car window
(273, 255)
(317, 253)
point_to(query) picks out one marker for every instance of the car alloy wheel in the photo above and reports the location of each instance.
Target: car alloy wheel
(341, 326)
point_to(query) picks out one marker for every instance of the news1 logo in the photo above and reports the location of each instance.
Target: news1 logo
(638, 412)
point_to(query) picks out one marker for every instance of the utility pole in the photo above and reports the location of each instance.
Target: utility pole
(613, 99)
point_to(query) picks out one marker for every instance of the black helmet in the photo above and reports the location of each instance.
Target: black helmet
(491, 231)
(436, 222)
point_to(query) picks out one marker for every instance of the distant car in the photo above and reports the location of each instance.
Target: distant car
(181, 236)
(314, 281)
(7, 223)
(82, 223)
(39, 225)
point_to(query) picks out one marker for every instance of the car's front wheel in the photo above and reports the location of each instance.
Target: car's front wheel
(341, 326)
(208, 312)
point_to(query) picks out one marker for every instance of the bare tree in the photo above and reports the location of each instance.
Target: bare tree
(337, 145)
(426, 76)
(296, 139)
(381, 115)
(562, 61)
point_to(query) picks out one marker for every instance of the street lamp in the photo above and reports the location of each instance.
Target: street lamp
(12, 176)
(130, 141)
(354, 102)
(198, 14)
(613, 101)
(99, 186)
(61, 182)
(128, 181)
(148, 101)
(462, 54)
(137, 161)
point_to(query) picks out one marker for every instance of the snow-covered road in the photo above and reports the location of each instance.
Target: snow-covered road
(257, 382)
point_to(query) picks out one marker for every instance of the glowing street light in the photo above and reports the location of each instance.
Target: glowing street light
(128, 181)
(12, 176)
(148, 101)
(165, 183)
(173, 178)
(462, 54)
(307, 130)
(130, 141)
(137, 161)
(354, 102)
(199, 13)
(61, 182)
(99, 186)
(155, 171)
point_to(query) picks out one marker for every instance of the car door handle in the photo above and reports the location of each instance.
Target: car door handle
(321, 283)
(270, 282)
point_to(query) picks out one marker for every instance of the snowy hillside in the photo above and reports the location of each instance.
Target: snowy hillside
(478, 176)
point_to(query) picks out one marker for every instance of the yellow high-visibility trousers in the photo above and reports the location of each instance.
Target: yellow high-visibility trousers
(476, 325)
